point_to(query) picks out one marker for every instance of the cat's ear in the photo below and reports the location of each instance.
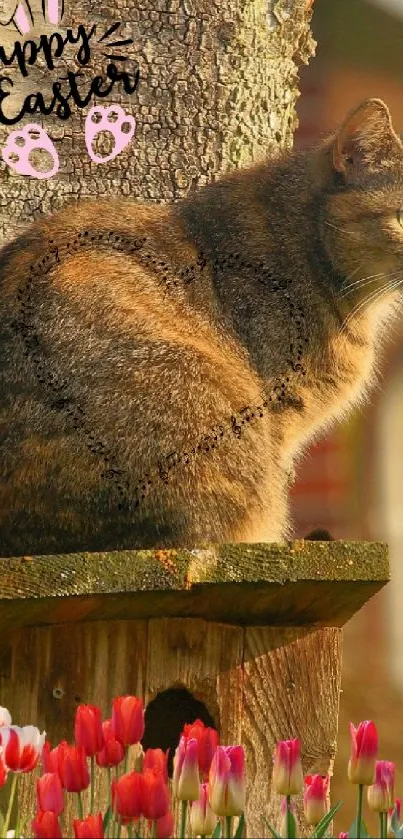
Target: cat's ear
(366, 139)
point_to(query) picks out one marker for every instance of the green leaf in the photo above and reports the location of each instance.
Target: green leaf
(353, 830)
(239, 831)
(321, 828)
(107, 817)
(271, 828)
(216, 834)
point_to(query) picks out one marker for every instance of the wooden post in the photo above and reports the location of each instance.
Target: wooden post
(253, 632)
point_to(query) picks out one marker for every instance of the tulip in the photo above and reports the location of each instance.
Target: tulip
(185, 779)
(127, 719)
(165, 826)
(364, 749)
(50, 757)
(5, 717)
(287, 776)
(381, 793)
(227, 781)
(46, 825)
(127, 794)
(208, 741)
(89, 828)
(22, 747)
(316, 798)
(288, 813)
(155, 794)
(3, 769)
(112, 752)
(49, 792)
(396, 809)
(343, 835)
(202, 818)
(88, 729)
(73, 768)
(156, 758)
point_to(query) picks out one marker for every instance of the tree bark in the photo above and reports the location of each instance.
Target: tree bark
(217, 90)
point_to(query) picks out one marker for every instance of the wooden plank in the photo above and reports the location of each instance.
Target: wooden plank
(292, 678)
(297, 583)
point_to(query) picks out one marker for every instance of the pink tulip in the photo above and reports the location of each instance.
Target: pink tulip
(202, 818)
(49, 792)
(396, 809)
(185, 779)
(364, 749)
(3, 770)
(381, 793)
(22, 747)
(316, 798)
(287, 778)
(208, 741)
(227, 781)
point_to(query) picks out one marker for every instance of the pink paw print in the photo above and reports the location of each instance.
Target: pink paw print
(122, 129)
(21, 143)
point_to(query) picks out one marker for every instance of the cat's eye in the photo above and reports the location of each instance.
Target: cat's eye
(399, 216)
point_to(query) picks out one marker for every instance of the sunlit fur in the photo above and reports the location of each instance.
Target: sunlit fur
(155, 363)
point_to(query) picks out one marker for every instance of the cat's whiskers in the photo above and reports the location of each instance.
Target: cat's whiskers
(361, 282)
(351, 233)
(373, 297)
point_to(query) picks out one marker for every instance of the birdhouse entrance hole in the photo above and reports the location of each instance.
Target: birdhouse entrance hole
(165, 717)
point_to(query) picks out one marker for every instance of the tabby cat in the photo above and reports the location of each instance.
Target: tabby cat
(163, 367)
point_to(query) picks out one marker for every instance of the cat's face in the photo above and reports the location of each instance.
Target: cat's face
(362, 222)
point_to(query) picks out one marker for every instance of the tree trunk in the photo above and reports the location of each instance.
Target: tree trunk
(217, 90)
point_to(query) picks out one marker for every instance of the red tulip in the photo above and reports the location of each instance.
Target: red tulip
(364, 749)
(50, 757)
(127, 719)
(3, 770)
(155, 794)
(49, 792)
(156, 758)
(89, 828)
(381, 793)
(287, 776)
(88, 729)
(127, 794)
(112, 752)
(46, 825)
(22, 747)
(73, 768)
(208, 741)
(185, 779)
(165, 826)
(316, 798)
(227, 781)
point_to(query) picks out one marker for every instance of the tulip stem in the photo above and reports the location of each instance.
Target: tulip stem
(183, 819)
(10, 802)
(383, 819)
(80, 806)
(92, 783)
(125, 765)
(359, 809)
(228, 826)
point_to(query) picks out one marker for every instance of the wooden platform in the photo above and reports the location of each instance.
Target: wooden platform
(321, 583)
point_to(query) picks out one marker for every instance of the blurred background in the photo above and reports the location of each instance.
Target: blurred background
(351, 482)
